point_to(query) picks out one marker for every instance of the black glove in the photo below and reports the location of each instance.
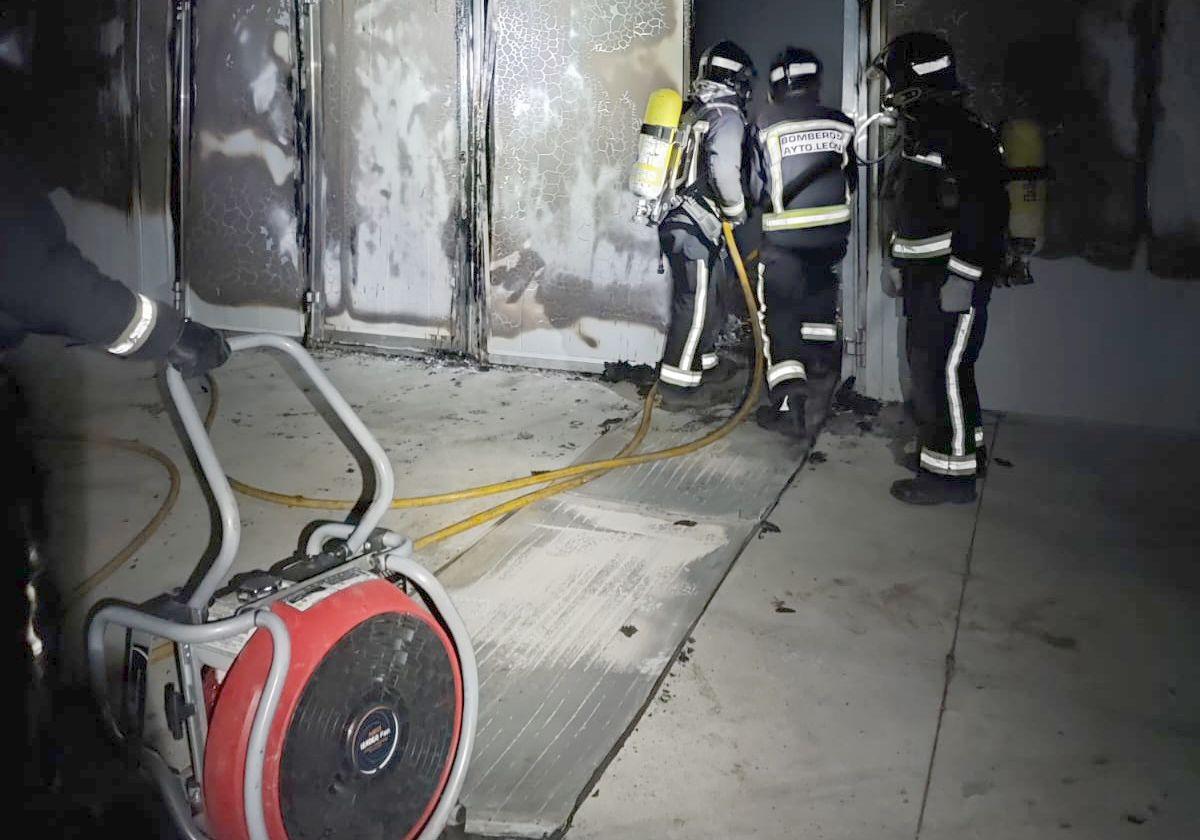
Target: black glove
(956, 294)
(198, 350)
(892, 281)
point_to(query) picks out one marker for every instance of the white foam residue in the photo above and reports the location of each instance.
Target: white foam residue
(331, 271)
(282, 46)
(265, 86)
(1110, 66)
(284, 229)
(111, 37)
(246, 143)
(400, 188)
(114, 97)
(562, 598)
(506, 263)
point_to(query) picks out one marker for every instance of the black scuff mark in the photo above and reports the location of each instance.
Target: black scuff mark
(642, 377)
(847, 399)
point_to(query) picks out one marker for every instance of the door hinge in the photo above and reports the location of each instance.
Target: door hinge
(856, 343)
(314, 317)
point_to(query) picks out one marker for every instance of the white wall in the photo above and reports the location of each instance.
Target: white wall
(1082, 342)
(1113, 346)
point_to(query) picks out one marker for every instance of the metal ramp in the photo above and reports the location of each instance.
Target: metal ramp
(578, 604)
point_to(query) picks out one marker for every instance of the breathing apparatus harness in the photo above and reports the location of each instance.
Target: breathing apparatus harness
(920, 67)
(897, 112)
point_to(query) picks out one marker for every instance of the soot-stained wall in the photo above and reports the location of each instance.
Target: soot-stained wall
(97, 124)
(243, 202)
(573, 281)
(1174, 153)
(390, 172)
(1101, 335)
(1113, 84)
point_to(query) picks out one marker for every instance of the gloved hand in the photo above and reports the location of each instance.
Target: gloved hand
(198, 350)
(956, 294)
(892, 281)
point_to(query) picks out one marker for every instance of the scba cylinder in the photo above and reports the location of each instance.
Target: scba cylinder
(1025, 157)
(655, 144)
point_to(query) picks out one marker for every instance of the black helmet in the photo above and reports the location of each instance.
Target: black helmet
(917, 64)
(795, 70)
(728, 64)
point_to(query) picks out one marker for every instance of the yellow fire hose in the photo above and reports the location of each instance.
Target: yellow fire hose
(148, 530)
(562, 479)
(625, 459)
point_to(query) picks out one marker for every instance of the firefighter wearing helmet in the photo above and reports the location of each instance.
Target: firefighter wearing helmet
(949, 207)
(707, 184)
(802, 176)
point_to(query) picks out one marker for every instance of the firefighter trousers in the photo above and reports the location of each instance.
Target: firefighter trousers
(942, 348)
(798, 301)
(695, 265)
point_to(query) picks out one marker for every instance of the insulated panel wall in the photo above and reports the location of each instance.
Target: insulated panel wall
(1174, 157)
(99, 127)
(1073, 65)
(390, 172)
(573, 282)
(243, 214)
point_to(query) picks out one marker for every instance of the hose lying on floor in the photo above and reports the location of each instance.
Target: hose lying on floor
(627, 457)
(148, 530)
(559, 480)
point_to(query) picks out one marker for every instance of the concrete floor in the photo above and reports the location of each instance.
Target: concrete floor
(1023, 668)
(445, 427)
(1057, 622)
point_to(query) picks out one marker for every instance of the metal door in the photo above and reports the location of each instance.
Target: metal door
(572, 281)
(243, 206)
(389, 194)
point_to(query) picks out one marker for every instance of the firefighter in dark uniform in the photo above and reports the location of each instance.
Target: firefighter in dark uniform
(47, 286)
(708, 190)
(950, 212)
(802, 176)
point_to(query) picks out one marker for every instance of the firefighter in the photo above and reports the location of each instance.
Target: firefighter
(950, 211)
(802, 176)
(48, 286)
(708, 192)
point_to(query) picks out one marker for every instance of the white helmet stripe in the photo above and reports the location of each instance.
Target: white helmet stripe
(924, 68)
(795, 70)
(725, 63)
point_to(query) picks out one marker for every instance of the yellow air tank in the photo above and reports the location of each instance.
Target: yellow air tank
(656, 144)
(1025, 157)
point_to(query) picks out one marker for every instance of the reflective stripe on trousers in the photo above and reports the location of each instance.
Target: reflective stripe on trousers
(952, 465)
(958, 423)
(680, 372)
